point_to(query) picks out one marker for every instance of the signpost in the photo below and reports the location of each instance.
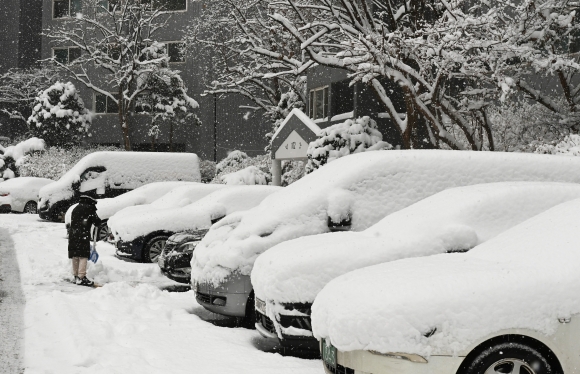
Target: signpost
(290, 142)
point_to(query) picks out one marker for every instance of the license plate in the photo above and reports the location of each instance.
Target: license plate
(261, 306)
(328, 353)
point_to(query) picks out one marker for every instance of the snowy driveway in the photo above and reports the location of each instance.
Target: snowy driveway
(128, 326)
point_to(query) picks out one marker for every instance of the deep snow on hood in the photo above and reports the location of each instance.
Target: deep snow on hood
(127, 170)
(526, 277)
(456, 219)
(143, 195)
(198, 215)
(368, 187)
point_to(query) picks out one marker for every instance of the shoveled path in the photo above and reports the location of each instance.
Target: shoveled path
(11, 308)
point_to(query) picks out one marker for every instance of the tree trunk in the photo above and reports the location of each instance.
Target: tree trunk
(170, 135)
(123, 120)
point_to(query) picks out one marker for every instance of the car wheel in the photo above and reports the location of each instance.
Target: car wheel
(31, 207)
(511, 358)
(103, 232)
(154, 248)
(249, 321)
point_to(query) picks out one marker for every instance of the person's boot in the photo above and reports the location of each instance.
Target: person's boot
(77, 280)
(86, 282)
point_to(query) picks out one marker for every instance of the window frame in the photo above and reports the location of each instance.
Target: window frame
(325, 103)
(95, 94)
(168, 11)
(167, 50)
(68, 16)
(68, 60)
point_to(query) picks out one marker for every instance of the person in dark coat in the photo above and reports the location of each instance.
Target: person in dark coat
(83, 216)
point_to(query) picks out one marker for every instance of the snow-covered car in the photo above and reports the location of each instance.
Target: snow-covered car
(146, 194)
(174, 261)
(288, 277)
(109, 174)
(21, 194)
(351, 193)
(509, 305)
(125, 224)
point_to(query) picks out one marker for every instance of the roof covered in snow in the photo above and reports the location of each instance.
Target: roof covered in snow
(365, 188)
(526, 277)
(128, 170)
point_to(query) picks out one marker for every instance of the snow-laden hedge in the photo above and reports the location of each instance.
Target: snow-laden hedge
(569, 146)
(237, 161)
(14, 156)
(59, 115)
(54, 162)
(342, 139)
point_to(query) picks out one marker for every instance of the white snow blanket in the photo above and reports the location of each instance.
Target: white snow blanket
(197, 215)
(127, 170)
(21, 190)
(140, 196)
(456, 219)
(526, 277)
(365, 187)
(176, 198)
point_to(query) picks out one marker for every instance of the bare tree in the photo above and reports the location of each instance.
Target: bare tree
(119, 52)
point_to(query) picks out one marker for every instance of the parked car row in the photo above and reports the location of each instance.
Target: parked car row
(384, 262)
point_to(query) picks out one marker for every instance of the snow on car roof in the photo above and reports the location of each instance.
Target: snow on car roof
(367, 187)
(196, 215)
(143, 195)
(128, 170)
(526, 277)
(123, 220)
(456, 219)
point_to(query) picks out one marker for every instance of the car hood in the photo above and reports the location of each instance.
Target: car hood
(526, 277)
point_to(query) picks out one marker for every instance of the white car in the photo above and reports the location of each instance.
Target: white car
(288, 277)
(509, 305)
(21, 194)
(351, 193)
(146, 194)
(143, 237)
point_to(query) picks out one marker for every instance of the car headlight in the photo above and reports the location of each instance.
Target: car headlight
(187, 247)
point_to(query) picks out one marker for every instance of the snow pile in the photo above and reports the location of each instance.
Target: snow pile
(238, 160)
(20, 191)
(140, 196)
(122, 221)
(20, 150)
(456, 219)
(127, 170)
(569, 146)
(342, 139)
(198, 215)
(364, 188)
(526, 277)
(248, 176)
(59, 114)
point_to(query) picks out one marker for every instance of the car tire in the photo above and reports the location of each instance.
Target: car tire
(511, 358)
(249, 321)
(31, 207)
(154, 248)
(103, 232)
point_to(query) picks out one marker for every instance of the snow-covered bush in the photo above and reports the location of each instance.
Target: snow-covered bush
(12, 157)
(247, 176)
(342, 139)
(238, 160)
(292, 171)
(56, 161)
(569, 146)
(59, 115)
(207, 169)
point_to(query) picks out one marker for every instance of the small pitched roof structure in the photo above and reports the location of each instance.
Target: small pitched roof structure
(296, 128)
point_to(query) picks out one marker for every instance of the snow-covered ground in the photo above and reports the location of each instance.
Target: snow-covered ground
(130, 325)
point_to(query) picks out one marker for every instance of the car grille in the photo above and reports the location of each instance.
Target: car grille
(266, 323)
(299, 322)
(203, 298)
(339, 369)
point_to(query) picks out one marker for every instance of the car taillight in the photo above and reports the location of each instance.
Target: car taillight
(2, 194)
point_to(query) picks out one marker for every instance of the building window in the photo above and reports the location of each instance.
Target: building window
(66, 8)
(66, 55)
(166, 5)
(104, 104)
(175, 51)
(319, 103)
